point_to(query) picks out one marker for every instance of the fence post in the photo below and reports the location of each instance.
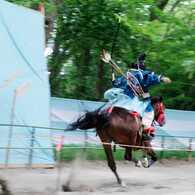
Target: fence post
(59, 156)
(10, 129)
(190, 152)
(162, 146)
(31, 145)
(85, 145)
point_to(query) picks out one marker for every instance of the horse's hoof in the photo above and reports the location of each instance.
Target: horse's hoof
(138, 164)
(123, 185)
(145, 164)
(66, 188)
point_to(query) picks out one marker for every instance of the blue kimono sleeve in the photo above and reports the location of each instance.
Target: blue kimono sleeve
(155, 79)
(150, 79)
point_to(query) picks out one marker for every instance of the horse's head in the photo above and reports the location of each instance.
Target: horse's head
(158, 110)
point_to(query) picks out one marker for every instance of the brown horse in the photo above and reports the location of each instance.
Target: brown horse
(124, 129)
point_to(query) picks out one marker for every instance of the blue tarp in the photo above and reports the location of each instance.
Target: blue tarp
(178, 122)
(22, 46)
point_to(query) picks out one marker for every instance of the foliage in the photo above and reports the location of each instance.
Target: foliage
(32, 3)
(163, 29)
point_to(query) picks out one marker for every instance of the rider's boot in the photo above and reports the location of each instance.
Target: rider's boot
(146, 134)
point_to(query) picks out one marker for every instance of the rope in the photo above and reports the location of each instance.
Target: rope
(62, 129)
(103, 143)
(169, 143)
(22, 138)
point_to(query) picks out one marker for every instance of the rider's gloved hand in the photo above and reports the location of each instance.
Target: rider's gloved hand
(112, 82)
(166, 79)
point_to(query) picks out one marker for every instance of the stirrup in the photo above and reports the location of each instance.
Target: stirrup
(146, 136)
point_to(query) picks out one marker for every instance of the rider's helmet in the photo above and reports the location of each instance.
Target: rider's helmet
(140, 64)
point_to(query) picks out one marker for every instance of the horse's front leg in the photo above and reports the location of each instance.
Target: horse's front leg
(128, 156)
(148, 151)
(107, 148)
(144, 160)
(154, 157)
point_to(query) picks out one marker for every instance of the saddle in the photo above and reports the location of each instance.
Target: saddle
(153, 128)
(136, 114)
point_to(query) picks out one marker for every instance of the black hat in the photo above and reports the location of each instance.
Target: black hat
(141, 57)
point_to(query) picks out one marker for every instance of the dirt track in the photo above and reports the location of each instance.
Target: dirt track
(170, 178)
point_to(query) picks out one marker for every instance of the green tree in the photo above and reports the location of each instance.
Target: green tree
(163, 29)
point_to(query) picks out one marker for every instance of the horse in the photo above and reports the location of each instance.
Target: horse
(124, 129)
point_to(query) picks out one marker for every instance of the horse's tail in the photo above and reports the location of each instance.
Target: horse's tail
(95, 119)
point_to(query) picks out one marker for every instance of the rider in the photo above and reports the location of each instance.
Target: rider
(140, 81)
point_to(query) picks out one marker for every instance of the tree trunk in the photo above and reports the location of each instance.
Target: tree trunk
(50, 19)
(49, 16)
(55, 66)
(161, 5)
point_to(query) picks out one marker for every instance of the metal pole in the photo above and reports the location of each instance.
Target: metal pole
(58, 170)
(11, 129)
(190, 152)
(32, 145)
(86, 138)
(85, 145)
(162, 151)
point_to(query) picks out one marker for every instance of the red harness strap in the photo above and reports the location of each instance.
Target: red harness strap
(135, 113)
(153, 128)
(109, 110)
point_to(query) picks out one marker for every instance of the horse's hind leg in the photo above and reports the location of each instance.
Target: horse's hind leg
(111, 162)
(107, 148)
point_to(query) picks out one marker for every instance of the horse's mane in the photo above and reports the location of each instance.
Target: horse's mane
(154, 100)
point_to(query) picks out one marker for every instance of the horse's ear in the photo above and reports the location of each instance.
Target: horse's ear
(161, 98)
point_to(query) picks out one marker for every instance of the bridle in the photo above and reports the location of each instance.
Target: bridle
(159, 116)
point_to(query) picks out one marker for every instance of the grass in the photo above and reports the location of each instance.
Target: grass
(175, 154)
(68, 153)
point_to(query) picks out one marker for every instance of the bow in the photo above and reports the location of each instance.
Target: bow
(113, 45)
